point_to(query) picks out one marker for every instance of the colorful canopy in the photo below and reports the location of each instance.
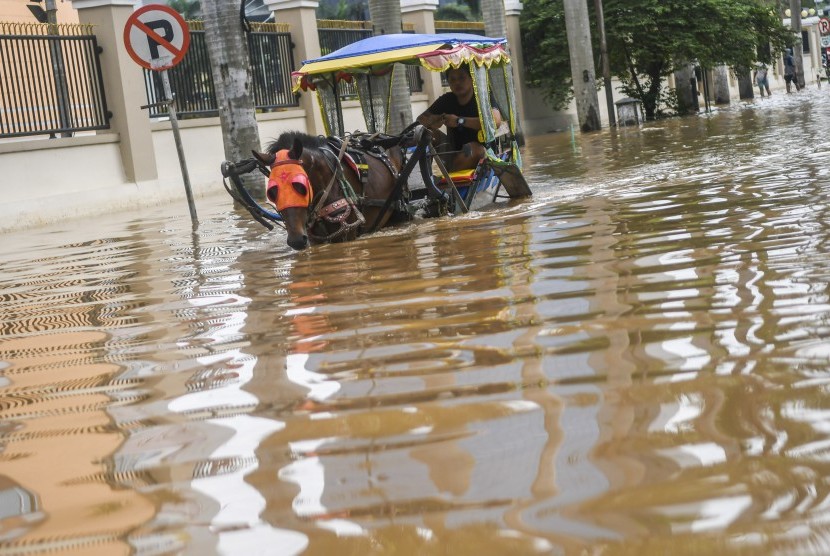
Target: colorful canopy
(435, 52)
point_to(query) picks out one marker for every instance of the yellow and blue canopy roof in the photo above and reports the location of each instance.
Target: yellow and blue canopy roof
(435, 52)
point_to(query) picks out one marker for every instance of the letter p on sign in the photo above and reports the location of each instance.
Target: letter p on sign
(156, 37)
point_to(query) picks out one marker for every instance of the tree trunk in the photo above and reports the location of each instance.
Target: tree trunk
(582, 64)
(492, 12)
(798, 49)
(231, 69)
(746, 87)
(386, 20)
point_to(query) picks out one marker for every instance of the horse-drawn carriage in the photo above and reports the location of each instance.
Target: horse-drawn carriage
(334, 188)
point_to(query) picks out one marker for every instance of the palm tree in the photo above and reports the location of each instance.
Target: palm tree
(494, 19)
(386, 19)
(231, 69)
(190, 9)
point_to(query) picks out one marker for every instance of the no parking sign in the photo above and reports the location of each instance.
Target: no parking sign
(156, 37)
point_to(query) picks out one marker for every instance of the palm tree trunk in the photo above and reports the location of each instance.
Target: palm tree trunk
(231, 69)
(386, 19)
(492, 12)
(578, 28)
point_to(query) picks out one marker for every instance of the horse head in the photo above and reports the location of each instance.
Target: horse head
(305, 188)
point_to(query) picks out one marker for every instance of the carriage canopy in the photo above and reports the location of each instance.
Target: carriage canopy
(436, 52)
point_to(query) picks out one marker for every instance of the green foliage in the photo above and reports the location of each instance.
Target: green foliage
(455, 12)
(545, 47)
(648, 39)
(345, 10)
(190, 9)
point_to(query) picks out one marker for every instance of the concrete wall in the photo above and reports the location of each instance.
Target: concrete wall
(45, 180)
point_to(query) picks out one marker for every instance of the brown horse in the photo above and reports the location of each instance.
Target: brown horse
(321, 196)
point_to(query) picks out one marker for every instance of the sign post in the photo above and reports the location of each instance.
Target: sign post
(157, 38)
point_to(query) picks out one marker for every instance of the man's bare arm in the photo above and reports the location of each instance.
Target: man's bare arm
(432, 121)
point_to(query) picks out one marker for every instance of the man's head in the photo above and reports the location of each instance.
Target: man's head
(460, 81)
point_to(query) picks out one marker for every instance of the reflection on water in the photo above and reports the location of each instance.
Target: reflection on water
(634, 361)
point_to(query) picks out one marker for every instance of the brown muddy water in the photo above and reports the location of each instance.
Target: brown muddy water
(636, 361)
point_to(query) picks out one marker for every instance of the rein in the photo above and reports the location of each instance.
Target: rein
(346, 204)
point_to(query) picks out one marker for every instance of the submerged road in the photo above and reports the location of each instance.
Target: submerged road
(635, 361)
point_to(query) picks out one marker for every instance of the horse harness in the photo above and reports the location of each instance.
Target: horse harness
(353, 152)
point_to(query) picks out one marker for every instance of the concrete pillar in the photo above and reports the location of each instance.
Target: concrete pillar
(301, 17)
(512, 11)
(686, 87)
(123, 85)
(746, 85)
(721, 85)
(421, 15)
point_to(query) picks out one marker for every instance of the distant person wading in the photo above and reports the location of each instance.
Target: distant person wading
(762, 79)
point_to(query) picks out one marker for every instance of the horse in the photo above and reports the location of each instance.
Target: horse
(320, 194)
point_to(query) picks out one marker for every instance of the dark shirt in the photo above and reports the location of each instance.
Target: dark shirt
(448, 104)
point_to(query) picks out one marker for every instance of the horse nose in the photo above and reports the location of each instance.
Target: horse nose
(299, 243)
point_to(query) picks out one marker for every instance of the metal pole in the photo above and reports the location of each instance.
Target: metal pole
(174, 122)
(58, 69)
(606, 66)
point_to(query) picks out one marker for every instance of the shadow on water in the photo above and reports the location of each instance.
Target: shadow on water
(634, 361)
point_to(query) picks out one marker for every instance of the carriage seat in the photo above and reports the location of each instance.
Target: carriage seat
(459, 177)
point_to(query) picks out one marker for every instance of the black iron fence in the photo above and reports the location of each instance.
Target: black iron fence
(269, 48)
(334, 34)
(50, 80)
(469, 27)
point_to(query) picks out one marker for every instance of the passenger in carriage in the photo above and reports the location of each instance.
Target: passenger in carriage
(458, 111)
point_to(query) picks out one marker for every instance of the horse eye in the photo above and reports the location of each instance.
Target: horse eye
(299, 188)
(272, 194)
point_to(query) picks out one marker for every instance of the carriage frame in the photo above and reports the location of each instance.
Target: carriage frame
(371, 65)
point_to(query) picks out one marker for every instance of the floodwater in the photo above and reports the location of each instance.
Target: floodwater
(635, 361)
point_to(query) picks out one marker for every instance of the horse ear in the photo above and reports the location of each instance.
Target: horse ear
(265, 158)
(296, 150)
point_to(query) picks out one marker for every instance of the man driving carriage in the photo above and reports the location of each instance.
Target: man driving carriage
(458, 111)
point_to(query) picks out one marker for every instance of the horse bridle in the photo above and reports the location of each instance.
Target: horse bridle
(319, 213)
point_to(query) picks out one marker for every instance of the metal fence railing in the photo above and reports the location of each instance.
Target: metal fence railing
(269, 48)
(469, 27)
(50, 80)
(335, 34)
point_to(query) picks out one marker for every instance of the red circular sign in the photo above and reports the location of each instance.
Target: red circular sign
(156, 37)
(824, 26)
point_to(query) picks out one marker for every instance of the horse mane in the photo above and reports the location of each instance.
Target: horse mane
(286, 141)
